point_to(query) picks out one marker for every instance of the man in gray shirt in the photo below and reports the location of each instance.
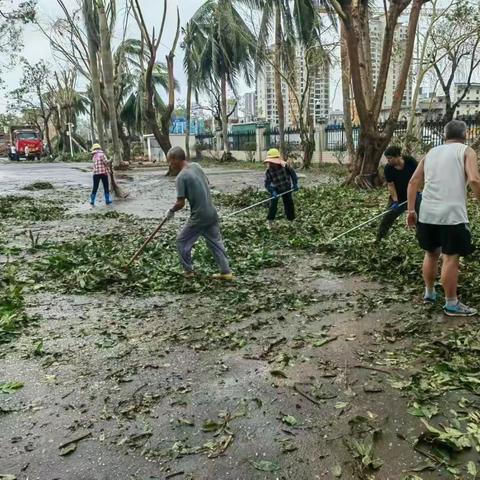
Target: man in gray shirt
(192, 184)
(442, 224)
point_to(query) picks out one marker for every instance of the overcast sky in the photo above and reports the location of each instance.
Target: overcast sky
(37, 46)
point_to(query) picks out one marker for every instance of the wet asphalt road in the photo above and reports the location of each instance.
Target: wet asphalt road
(151, 193)
(15, 175)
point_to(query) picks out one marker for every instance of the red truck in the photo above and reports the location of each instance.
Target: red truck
(25, 142)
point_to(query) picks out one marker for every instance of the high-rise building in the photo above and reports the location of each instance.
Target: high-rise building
(319, 92)
(377, 30)
(249, 106)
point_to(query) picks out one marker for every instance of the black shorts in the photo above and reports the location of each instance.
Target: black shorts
(451, 239)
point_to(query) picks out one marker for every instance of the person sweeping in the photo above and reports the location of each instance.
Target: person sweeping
(398, 172)
(192, 185)
(280, 179)
(100, 173)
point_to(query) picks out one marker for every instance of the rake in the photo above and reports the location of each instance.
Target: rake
(162, 223)
(363, 224)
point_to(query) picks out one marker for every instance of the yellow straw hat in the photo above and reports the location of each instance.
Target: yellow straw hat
(96, 146)
(273, 156)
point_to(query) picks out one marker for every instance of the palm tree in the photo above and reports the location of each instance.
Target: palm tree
(292, 22)
(131, 85)
(193, 41)
(228, 50)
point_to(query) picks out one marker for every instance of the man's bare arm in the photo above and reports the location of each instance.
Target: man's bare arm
(179, 204)
(414, 184)
(471, 170)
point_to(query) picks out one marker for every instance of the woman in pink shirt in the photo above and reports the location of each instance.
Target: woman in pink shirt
(100, 173)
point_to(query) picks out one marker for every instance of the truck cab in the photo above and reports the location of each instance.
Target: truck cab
(27, 143)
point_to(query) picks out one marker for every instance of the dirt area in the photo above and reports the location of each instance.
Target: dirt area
(289, 383)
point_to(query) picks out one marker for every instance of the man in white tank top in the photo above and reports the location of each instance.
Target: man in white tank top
(442, 224)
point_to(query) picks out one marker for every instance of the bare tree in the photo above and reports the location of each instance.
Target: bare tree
(355, 18)
(455, 52)
(90, 17)
(106, 23)
(157, 121)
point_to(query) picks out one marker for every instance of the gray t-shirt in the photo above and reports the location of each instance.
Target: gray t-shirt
(192, 184)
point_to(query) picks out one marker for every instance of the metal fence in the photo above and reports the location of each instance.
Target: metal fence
(272, 138)
(431, 133)
(244, 141)
(206, 141)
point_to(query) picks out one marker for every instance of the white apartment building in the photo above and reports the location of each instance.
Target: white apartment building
(319, 96)
(470, 105)
(377, 30)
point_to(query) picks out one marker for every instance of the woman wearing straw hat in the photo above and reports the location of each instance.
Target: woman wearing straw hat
(100, 173)
(280, 179)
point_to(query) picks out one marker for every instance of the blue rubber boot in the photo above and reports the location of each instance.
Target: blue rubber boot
(108, 200)
(92, 199)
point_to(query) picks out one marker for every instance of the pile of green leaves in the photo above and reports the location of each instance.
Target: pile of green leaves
(39, 186)
(29, 208)
(12, 305)
(96, 263)
(77, 157)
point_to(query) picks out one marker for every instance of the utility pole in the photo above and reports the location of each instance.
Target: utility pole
(70, 125)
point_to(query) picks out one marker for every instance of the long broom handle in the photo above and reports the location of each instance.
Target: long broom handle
(146, 242)
(256, 204)
(363, 224)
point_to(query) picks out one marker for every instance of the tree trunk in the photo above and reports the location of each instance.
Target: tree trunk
(108, 78)
(47, 136)
(96, 90)
(162, 138)
(92, 123)
(372, 143)
(125, 141)
(278, 79)
(347, 97)
(226, 144)
(449, 113)
(370, 149)
(188, 115)
(308, 147)
(476, 146)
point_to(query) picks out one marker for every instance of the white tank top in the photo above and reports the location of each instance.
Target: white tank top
(445, 191)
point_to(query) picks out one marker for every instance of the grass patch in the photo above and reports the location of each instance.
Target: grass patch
(29, 208)
(39, 186)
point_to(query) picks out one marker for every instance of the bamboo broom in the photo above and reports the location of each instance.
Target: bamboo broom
(119, 193)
